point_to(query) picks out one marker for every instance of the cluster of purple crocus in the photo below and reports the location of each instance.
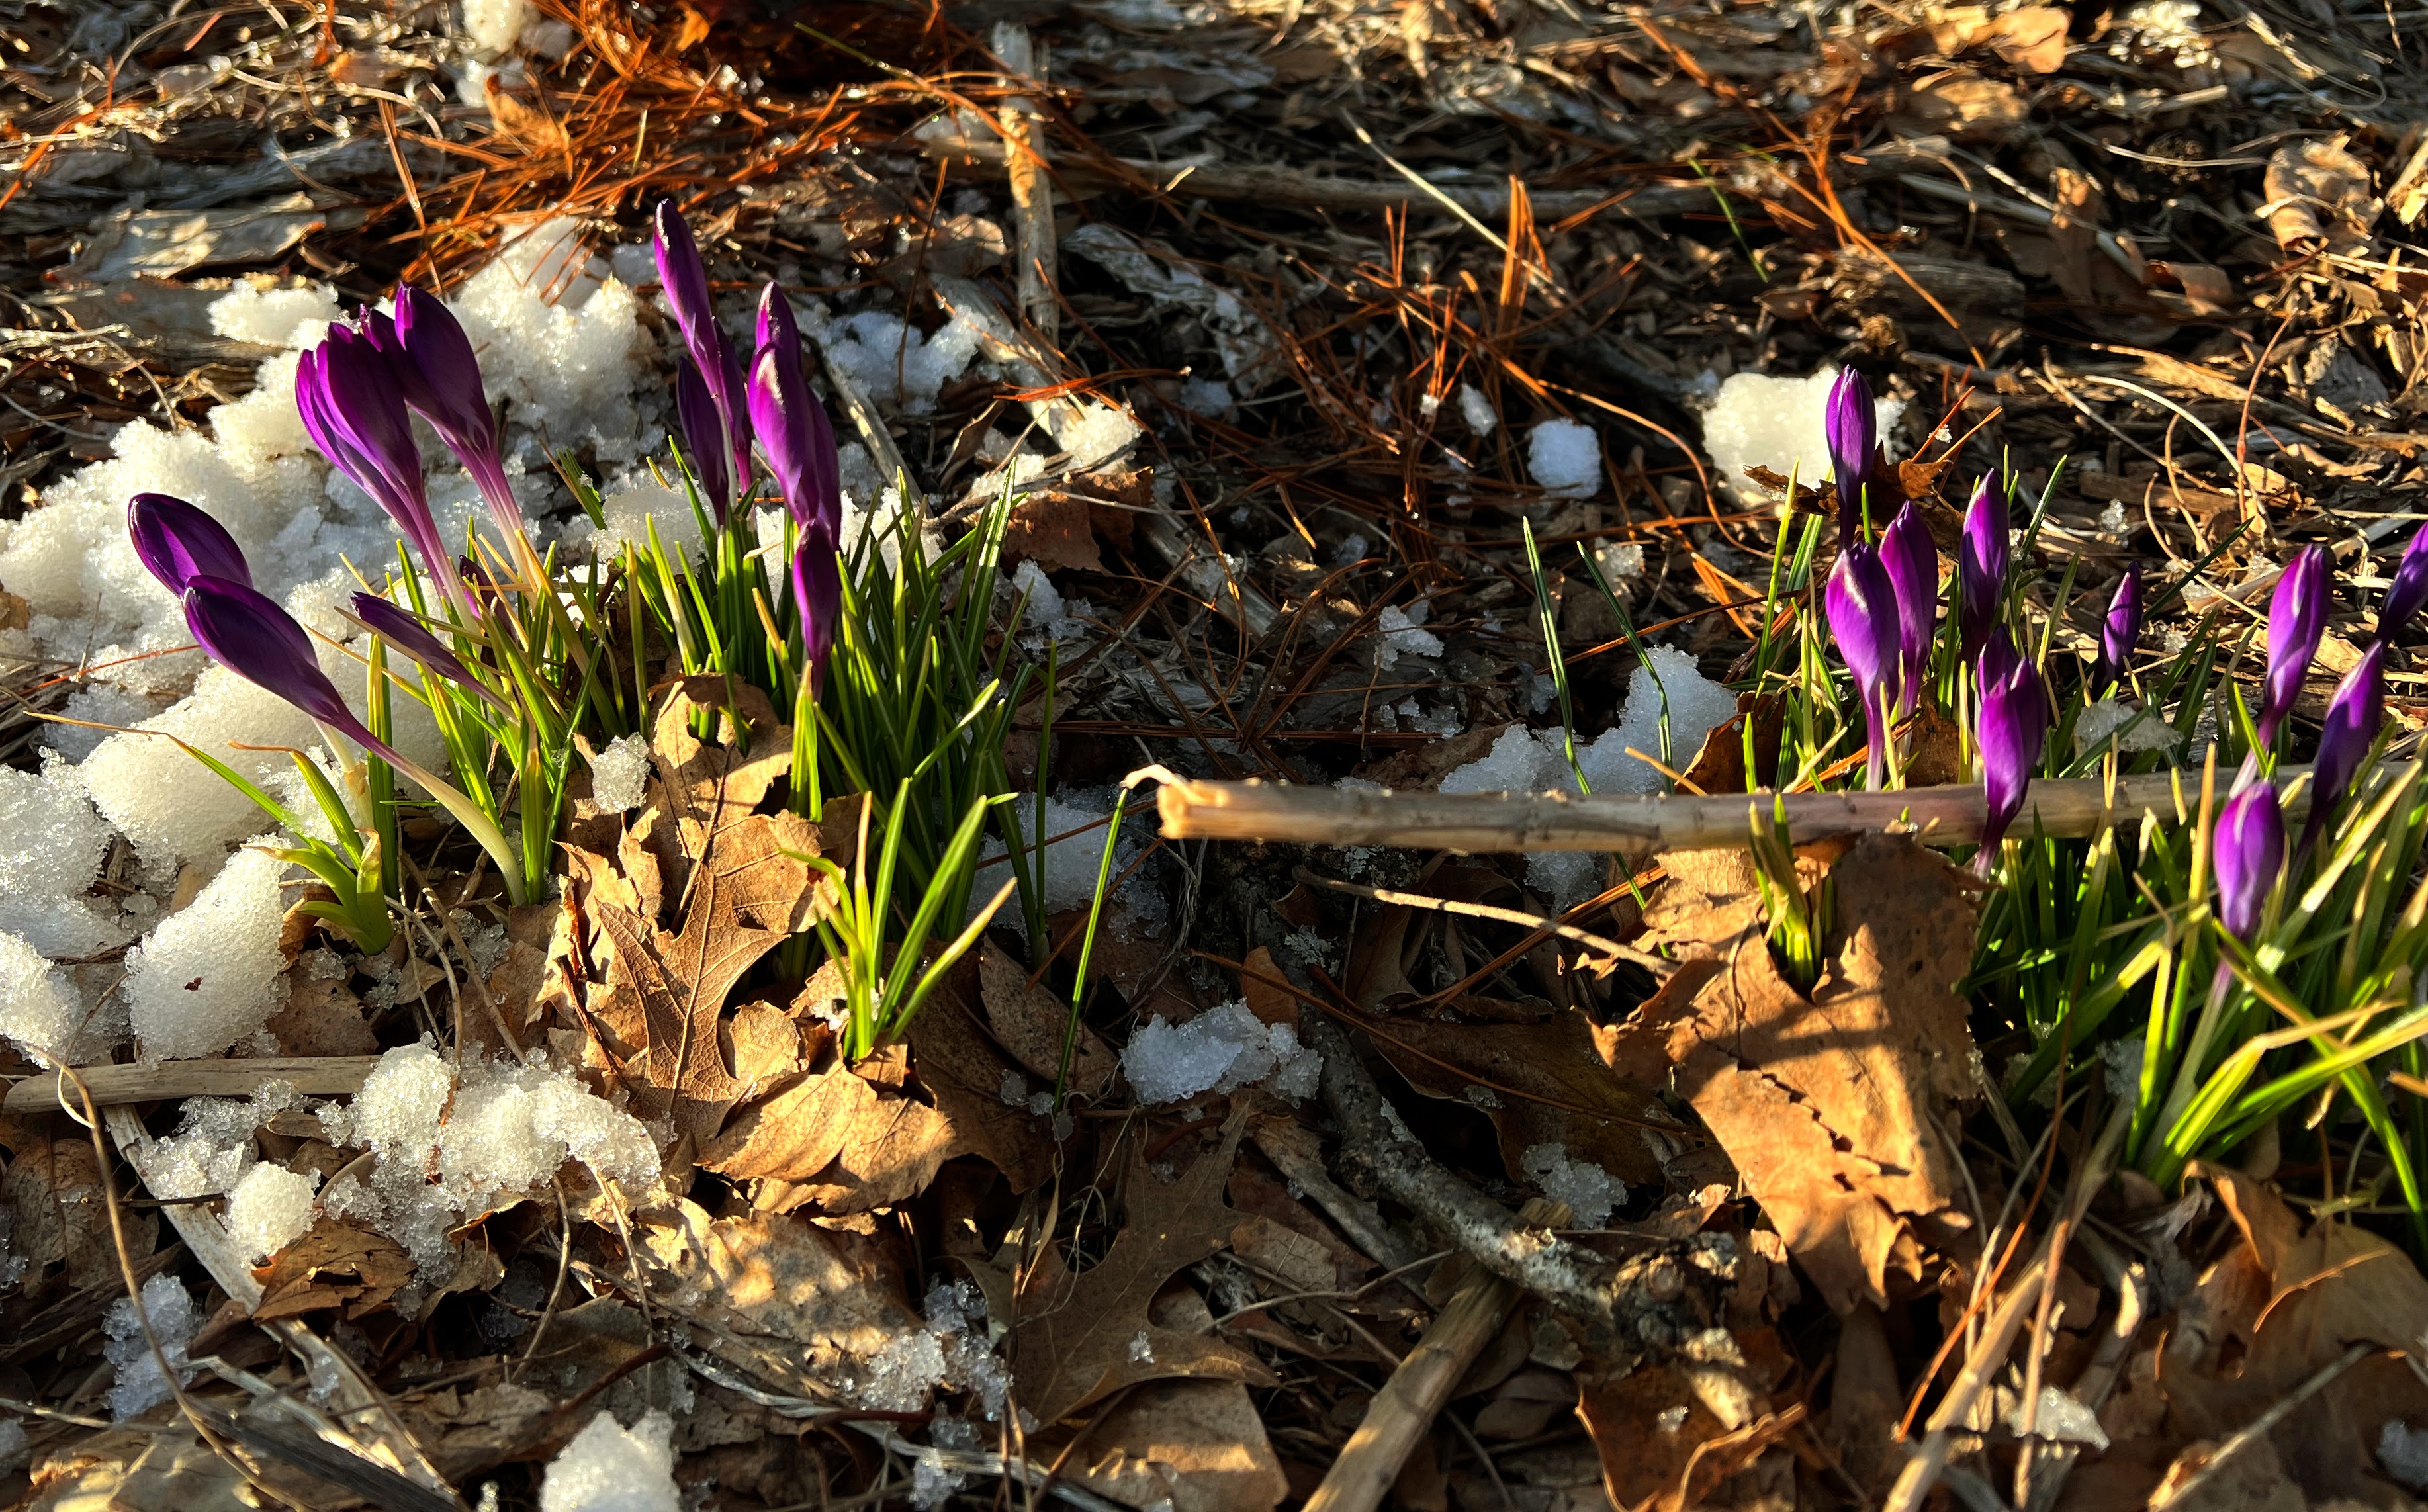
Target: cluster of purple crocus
(721, 410)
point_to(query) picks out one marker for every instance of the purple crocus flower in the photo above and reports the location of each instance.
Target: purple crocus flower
(684, 279)
(402, 630)
(800, 445)
(2119, 632)
(2408, 593)
(2247, 851)
(177, 542)
(1913, 560)
(2297, 616)
(1863, 608)
(703, 431)
(1981, 559)
(817, 591)
(2353, 715)
(2014, 721)
(1852, 427)
(439, 378)
(777, 329)
(355, 412)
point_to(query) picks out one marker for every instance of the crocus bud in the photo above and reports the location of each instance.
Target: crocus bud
(703, 432)
(2014, 719)
(247, 632)
(2353, 715)
(439, 378)
(408, 634)
(1852, 428)
(817, 591)
(355, 415)
(2247, 851)
(684, 278)
(177, 542)
(1982, 566)
(800, 445)
(2297, 616)
(1863, 608)
(2408, 593)
(2118, 634)
(778, 330)
(1913, 560)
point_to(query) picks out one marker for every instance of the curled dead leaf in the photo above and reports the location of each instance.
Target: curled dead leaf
(2319, 196)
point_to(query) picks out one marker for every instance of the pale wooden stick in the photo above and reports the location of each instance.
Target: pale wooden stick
(1402, 1411)
(1553, 821)
(1032, 191)
(118, 1086)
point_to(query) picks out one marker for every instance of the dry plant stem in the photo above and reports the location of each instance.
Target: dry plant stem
(1550, 821)
(118, 1086)
(1356, 1217)
(1501, 915)
(1032, 191)
(1630, 1309)
(2053, 1462)
(1988, 1355)
(1404, 1410)
(2258, 1427)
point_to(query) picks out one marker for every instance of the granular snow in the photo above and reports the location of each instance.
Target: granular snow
(628, 511)
(1589, 1190)
(1758, 420)
(2402, 1453)
(51, 848)
(269, 1208)
(1477, 411)
(609, 1468)
(1074, 834)
(267, 315)
(1564, 457)
(1220, 1050)
(1399, 635)
(210, 976)
(139, 1383)
(619, 773)
(1049, 617)
(38, 1011)
(890, 361)
(212, 1148)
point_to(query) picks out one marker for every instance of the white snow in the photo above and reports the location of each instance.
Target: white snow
(38, 1011)
(1049, 617)
(2093, 727)
(1758, 420)
(1589, 1190)
(890, 360)
(619, 773)
(1620, 560)
(51, 849)
(609, 1468)
(1090, 433)
(1400, 635)
(1477, 411)
(1071, 859)
(210, 976)
(488, 1143)
(1221, 1049)
(270, 315)
(139, 1383)
(1564, 456)
(269, 1208)
(2403, 1449)
(212, 1149)
(2059, 1417)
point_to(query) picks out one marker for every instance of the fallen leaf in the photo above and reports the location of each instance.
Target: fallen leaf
(709, 788)
(54, 1189)
(1052, 529)
(772, 1292)
(322, 1018)
(1030, 1023)
(890, 1153)
(1191, 1446)
(2319, 197)
(1269, 1003)
(960, 1069)
(2282, 1303)
(1664, 1451)
(1545, 1083)
(1076, 1338)
(1833, 1108)
(336, 1265)
(796, 1132)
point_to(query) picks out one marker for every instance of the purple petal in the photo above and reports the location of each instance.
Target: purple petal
(793, 432)
(2353, 715)
(817, 591)
(703, 431)
(400, 629)
(1912, 561)
(2247, 851)
(2119, 632)
(2297, 616)
(2014, 718)
(248, 633)
(1981, 564)
(1850, 423)
(2407, 593)
(454, 398)
(1862, 609)
(177, 542)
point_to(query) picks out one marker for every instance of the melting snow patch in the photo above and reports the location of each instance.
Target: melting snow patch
(1477, 411)
(1589, 1190)
(139, 1383)
(2403, 1449)
(1758, 420)
(609, 1468)
(1220, 1050)
(210, 976)
(1400, 634)
(891, 361)
(38, 1011)
(1564, 456)
(619, 773)
(270, 1209)
(2108, 717)
(2060, 1418)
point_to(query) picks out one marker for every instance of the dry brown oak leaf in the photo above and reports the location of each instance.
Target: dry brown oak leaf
(741, 886)
(1835, 1108)
(1075, 1336)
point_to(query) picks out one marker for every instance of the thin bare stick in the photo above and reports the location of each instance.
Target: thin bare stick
(119, 1086)
(1401, 1413)
(1032, 191)
(1488, 822)
(1500, 915)
(2258, 1427)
